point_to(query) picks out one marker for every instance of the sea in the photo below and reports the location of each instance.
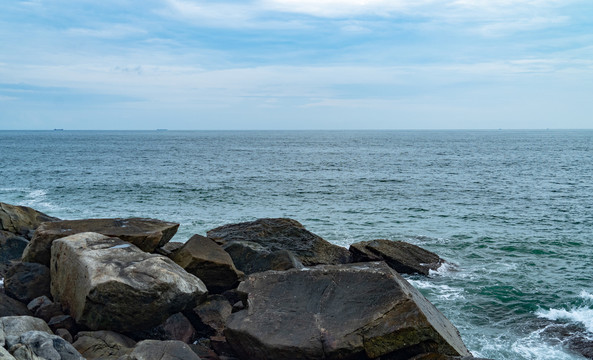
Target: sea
(511, 210)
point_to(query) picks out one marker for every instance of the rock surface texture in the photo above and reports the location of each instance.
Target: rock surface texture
(21, 219)
(12, 327)
(26, 281)
(147, 234)
(282, 234)
(354, 311)
(107, 283)
(401, 256)
(208, 261)
(103, 344)
(41, 345)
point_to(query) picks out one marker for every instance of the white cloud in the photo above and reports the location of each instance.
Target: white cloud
(107, 32)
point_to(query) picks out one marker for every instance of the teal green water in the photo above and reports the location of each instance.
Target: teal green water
(513, 209)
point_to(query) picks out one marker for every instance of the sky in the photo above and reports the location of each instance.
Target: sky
(288, 64)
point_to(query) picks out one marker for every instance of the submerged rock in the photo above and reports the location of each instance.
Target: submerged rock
(282, 234)
(362, 311)
(146, 234)
(107, 283)
(401, 256)
(208, 261)
(21, 219)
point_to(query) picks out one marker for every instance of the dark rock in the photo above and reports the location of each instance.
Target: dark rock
(433, 356)
(222, 347)
(283, 234)
(401, 256)
(103, 344)
(21, 219)
(169, 248)
(26, 281)
(147, 234)
(62, 322)
(238, 306)
(41, 345)
(176, 327)
(251, 257)
(12, 307)
(47, 311)
(204, 352)
(12, 327)
(208, 261)
(210, 316)
(349, 311)
(107, 283)
(38, 302)
(64, 334)
(11, 249)
(162, 350)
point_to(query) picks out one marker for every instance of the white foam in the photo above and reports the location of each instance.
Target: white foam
(441, 291)
(586, 296)
(445, 269)
(582, 315)
(533, 347)
(1, 282)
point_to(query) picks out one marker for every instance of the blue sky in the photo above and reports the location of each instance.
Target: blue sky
(287, 64)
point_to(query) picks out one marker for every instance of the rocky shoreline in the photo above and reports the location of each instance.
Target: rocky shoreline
(267, 289)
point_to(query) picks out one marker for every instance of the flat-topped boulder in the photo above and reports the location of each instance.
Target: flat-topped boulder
(282, 234)
(403, 257)
(21, 219)
(106, 283)
(353, 311)
(146, 234)
(208, 261)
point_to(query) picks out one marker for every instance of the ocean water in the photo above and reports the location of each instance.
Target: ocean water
(512, 209)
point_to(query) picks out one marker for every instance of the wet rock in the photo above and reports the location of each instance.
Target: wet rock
(209, 262)
(41, 345)
(283, 234)
(162, 350)
(103, 344)
(362, 311)
(26, 281)
(12, 327)
(403, 257)
(12, 307)
(21, 219)
(251, 257)
(107, 283)
(146, 234)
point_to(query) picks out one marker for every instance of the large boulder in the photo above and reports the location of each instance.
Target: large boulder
(107, 283)
(21, 219)
(353, 311)
(26, 281)
(208, 261)
(147, 234)
(34, 345)
(103, 344)
(403, 257)
(283, 234)
(252, 257)
(12, 327)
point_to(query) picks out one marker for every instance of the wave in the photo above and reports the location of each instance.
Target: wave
(442, 292)
(577, 314)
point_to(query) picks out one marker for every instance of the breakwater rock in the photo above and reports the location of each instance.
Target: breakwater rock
(118, 290)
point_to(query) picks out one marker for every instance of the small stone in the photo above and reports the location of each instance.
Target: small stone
(64, 334)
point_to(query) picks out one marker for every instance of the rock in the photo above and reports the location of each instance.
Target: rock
(12, 307)
(64, 334)
(162, 350)
(62, 322)
(338, 312)
(169, 248)
(283, 234)
(204, 352)
(103, 344)
(5, 355)
(208, 261)
(38, 302)
(47, 311)
(41, 345)
(176, 327)
(11, 249)
(21, 219)
(106, 283)
(251, 257)
(147, 234)
(12, 327)
(210, 316)
(401, 256)
(26, 281)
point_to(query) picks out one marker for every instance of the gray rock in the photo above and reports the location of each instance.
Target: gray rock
(11, 249)
(5, 355)
(349, 311)
(12, 307)
(162, 350)
(103, 344)
(38, 302)
(169, 248)
(252, 257)
(26, 281)
(283, 234)
(401, 256)
(62, 322)
(208, 261)
(106, 283)
(41, 345)
(12, 327)
(21, 219)
(176, 327)
(147, 234)
(64, 334)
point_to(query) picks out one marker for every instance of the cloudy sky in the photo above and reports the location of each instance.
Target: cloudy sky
(296, 64)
